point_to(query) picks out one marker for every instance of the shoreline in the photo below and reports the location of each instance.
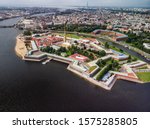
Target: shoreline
(93, 82)
(21, 51)
(20, 47)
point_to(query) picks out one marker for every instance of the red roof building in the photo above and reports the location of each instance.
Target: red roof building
(79, 57)
(46, 41)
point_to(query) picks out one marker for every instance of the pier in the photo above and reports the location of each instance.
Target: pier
(59, 58)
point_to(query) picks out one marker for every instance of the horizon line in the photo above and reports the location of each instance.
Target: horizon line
(62, 6)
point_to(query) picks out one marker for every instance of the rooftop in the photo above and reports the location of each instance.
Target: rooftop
(79, 57)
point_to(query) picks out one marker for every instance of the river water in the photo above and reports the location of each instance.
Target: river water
(130, 52)
(28, 86)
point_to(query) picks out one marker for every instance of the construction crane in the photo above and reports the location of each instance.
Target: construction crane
(65, 37)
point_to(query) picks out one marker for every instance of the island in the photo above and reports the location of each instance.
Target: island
(87, 55)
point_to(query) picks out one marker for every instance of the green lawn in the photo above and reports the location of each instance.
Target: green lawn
(117, 49)
(92, 68)
(144, 76)
(75, 36)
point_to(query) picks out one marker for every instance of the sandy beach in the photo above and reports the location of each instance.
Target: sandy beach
(20, 47)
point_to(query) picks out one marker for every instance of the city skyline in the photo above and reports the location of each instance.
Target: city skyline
(60, 3)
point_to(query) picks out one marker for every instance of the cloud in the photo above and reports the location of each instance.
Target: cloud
(75, 2)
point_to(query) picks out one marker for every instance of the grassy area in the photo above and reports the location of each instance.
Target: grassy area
(144, 76)
(92, 68)
(103, 72)
(117, 49)
(109, 61)
(74, 36)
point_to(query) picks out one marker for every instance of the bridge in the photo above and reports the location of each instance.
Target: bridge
(7, 26)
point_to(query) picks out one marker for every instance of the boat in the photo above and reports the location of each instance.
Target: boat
(45, 62)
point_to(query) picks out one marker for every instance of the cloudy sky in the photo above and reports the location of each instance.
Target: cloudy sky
(141, 3)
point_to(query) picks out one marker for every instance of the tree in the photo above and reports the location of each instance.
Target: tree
(115, 64)
(121, 50)
(91, 56)
(102, 53)
(101, 63)
(107, 45)
(85, 53)
(129, 57)
(63, 49)
(27, 33)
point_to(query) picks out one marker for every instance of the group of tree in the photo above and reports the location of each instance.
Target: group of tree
(115, 64)
(91, 54)
(106, 65)
(131, 58)
(74, 49)
(98, 53)
(77, 27)
(49, 49)
(27, 33)
(138, 40)
(101, 63)
(104, 71)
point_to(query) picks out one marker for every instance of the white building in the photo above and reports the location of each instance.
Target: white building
(146, 45)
